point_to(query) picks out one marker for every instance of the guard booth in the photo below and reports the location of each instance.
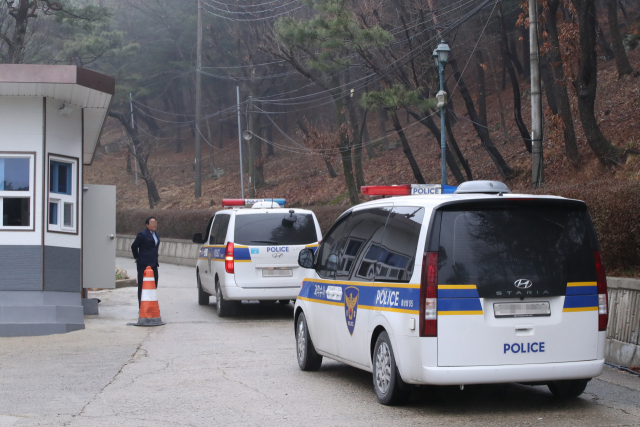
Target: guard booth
(51, 118)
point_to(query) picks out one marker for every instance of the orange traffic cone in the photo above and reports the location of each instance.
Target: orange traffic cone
(149, 308)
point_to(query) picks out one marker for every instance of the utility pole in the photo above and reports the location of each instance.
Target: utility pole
(537, 178)
(252, 167)
(198, 177)
(133, 126)
(240, 143)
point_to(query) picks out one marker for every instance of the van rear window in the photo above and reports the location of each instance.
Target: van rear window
(266, 229)
(493, 248)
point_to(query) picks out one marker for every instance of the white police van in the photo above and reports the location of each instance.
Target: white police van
(251, 254)
(480, 286)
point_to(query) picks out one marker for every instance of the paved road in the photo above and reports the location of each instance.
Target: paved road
(200, 370)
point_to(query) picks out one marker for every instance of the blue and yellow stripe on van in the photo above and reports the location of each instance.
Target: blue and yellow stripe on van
(313, 246)
(215, 252)
(376, 296)
(458, 300)
(241, 253)
(581, 296)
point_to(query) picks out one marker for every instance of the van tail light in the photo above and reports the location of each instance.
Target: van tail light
(429, 295)
(603, 300)
(228, 258)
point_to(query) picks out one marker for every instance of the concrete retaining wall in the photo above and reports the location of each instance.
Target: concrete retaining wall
(623, 332)
(172, 251)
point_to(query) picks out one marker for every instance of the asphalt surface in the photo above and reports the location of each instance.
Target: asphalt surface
(200, 370)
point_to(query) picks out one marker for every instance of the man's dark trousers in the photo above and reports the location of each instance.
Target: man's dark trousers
(141, 269)
(145, 251)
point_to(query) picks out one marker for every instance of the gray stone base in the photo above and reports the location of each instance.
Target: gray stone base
(31, 313)
(126, 283)
(90, 306)
(622, 353)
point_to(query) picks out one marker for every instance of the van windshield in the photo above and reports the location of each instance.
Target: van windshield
(495, 247)
(267, 229)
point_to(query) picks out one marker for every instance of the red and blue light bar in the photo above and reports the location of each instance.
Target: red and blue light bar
(247, 202)
(407, 190)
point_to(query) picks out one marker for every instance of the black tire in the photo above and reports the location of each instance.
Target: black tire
(203, 297)
(284, 301)
(308, 358)
(568, 389)
(225, 308)
(389, 387)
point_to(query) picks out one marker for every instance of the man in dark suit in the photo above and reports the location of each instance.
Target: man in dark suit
(145, 252)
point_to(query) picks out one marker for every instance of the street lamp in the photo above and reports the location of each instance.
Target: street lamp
(440, 57)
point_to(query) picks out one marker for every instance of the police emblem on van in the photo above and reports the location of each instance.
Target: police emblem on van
(523, 284)
(351, 307)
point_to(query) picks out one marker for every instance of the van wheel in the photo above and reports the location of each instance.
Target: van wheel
(568, 389)
(387, 383)
(308, 358)
(224, 307)
(203, 297)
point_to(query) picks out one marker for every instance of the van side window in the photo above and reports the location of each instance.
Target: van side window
(208, 229)
(361, 248)
(329, 251)
(397, 254)
(222, 231)
(214, 229)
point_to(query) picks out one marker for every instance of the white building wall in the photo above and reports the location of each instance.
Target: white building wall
(21, 130)
(64, 137)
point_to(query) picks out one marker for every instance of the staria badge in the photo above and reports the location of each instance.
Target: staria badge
(350, 307)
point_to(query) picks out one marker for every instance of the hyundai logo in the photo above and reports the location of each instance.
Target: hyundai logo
(522, 284)
(277, 255)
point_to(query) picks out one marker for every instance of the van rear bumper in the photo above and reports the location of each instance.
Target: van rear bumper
(511, 373)
(238, 293)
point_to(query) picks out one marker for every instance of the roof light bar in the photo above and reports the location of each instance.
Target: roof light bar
(407, 189)
(246, 202)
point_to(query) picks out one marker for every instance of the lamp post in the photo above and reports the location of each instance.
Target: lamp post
(440, 56)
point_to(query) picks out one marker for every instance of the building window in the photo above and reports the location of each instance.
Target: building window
(16, 191)
(63, 190)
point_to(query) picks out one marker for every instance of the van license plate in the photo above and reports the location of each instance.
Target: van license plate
(280, 272)
(521, 309)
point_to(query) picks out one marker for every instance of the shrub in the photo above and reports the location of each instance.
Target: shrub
(172, 223)
(613, 207)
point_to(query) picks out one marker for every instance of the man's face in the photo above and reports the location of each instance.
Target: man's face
(153, 225)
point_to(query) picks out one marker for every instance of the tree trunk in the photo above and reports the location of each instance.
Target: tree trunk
(510, 46)
(602, 39)
(345, 147)
(550, 88)
(515, 86)
(453, 159)
(622, 61)
(16, 45)
(269, 137)
(461, 160)
(482, 131)
(562, 95)
(503, 123)
(586, 84)
(526, 50)
(382, 118)
(357, 141)
(305, 131)
(482, 90)
(152, 190)
(364, 138)
(406, 148)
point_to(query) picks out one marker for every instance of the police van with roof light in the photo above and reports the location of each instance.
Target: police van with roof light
(251, 254)
(471, 287)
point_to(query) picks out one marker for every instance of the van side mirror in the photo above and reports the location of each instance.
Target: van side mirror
(332, 263)
(305, 258)
(198, 238)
